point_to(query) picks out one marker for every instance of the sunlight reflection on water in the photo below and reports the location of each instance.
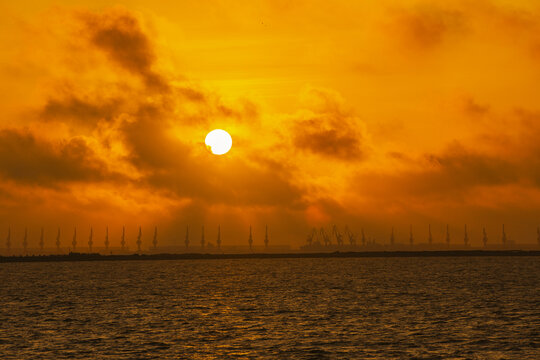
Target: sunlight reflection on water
(275, 308)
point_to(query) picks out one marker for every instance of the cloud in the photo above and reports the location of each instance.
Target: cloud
(81, 111)
(120, 36)
(427, 26)
(473, 108)
(327, 129)
(28, 159)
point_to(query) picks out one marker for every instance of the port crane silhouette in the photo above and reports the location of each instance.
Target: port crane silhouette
(41, 240)
(58, 240)
(218, 241)
(337, 235)
(107, 238)
(139, 241)
(202, 238)
(123, 238)
(25, 240)
(74, 241)
(351, 236)
(250, 240)
(90, 239)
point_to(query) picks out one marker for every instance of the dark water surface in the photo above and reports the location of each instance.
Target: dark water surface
(380, 308)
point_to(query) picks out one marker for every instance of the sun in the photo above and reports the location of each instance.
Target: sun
(218, 141)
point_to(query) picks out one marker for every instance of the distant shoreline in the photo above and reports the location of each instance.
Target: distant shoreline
(200, 256)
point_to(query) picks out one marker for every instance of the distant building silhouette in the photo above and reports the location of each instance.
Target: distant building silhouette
(58, 240)
(139, 240)
(447, 235)
(123, 239)
(202, 238)
(484, 237)
(25, 241)
(74, 241)
(218, 241)
(266, 237)
(250, 240)
(107, 238)
(430, 237)
(504, 239)
(466, 237)
(186, 241)
(90, 239)
(392, 238)
(8, 239)
(411, 238)
(154, 240)
(41, 241)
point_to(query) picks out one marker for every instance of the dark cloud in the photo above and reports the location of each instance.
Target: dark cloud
(85, 112)
(473, 108)
(428, 26)
(121, 37)
(329, 130)
(24, 158)
(234, 182)
(148, 138)
(453, 174)
(322, 137)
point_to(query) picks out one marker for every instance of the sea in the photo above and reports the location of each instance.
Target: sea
(328, 308)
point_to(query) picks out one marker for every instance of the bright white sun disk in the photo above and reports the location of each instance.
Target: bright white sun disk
(218, 141)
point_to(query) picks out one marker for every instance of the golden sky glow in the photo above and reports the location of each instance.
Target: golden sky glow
(371, 114)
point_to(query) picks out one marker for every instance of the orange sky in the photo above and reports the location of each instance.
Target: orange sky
(371, 114)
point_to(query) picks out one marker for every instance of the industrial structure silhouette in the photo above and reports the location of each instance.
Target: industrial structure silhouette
(318, 239)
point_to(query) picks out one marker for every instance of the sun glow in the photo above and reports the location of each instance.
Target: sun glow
(218, 142)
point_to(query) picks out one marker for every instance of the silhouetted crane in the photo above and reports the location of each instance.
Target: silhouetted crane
(447, 235)
(311, 236)
(504, 239)
(41, 241)
(107, 238)
(25, 241)
(139, 240)
(411, 239)
(466, 237)
(58, 240)
(351, 236)
(123, 239)
(8, 239)
(363, 238)
(337, 235)
(90, 241)
(202, 238)
(430, 237)
(538, 235)
(74, 241)
(250, 240)
(325, 237)
(266, 237)
(484, 237)
(392, 238)
(186, 240)
(154, 240)
(219, 237)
